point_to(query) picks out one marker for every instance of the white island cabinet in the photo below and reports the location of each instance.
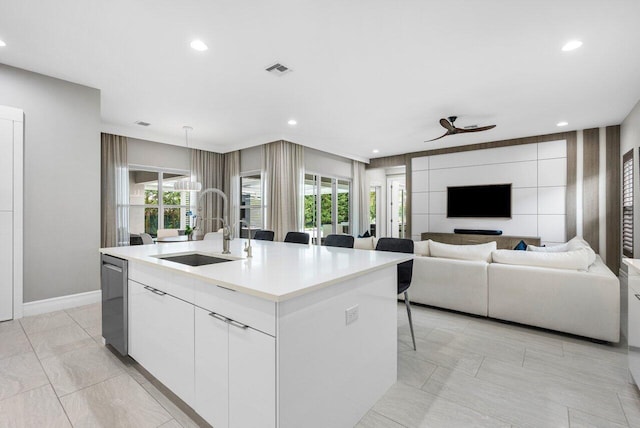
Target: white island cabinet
(296, 336)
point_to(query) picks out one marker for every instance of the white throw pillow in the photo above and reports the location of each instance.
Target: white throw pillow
(552, 249)
(574, 260)
(462, 252)
(421, 248)
(364, 243)
(579, 243)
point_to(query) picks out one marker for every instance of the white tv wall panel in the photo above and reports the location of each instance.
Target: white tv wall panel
(552, 200)
(537, 173)
(420, 181)
(507, 154)
(552, 149)
(526, 225)
(420, 203)
(552, 172)
(418, 164)
(520, 174)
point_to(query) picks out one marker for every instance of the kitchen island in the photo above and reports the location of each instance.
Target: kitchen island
(296, 336)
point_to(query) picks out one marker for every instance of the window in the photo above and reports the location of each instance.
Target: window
(327, 206)
(627, 204)
(251, 203)
(154, 204)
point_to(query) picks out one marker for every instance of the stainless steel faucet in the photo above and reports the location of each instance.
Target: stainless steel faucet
(247, 246)
(226, 230)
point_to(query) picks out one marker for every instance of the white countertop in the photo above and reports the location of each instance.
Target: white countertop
(633, 263)
(277, 271)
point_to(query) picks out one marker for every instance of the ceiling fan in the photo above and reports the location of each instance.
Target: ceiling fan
(452, 130)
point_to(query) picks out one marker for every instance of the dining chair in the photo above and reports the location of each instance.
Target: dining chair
(165, 233)
(335, 240)
(264, 235)
(146, 239)
(297, 237)
(405, 271)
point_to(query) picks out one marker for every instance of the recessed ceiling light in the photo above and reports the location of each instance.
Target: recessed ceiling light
(292, 122)
(199, 45)
(562, 123)
(571, 45)
(2, 44)
(376, 151)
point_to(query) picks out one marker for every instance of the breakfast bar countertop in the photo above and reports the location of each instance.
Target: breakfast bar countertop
(277, 271)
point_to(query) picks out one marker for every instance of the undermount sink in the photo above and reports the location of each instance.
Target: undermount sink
(194, 259)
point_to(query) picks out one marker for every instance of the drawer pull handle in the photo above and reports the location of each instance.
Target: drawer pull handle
(218, 317)
(155, 290)
(237, 324)
(637, 296)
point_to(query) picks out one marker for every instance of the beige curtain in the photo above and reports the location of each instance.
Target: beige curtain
(232, 189)
(208, 168)
(360, 199)
(114, 191)
(284, 177)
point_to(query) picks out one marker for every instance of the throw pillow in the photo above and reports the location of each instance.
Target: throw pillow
(552, 249)
(522, 246)
(573, 260)
(421, 248)
(462, 252)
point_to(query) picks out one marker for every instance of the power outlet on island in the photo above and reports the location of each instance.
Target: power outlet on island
(351, 314)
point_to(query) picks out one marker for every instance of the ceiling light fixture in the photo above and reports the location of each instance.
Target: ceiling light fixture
(571, 45)
(199, 45)
(376, 151)
(292, 122)
(563, 123)
(2, 44)
(188, 185)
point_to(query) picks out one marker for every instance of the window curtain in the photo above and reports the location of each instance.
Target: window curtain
(232, 189)
(284, 183)
(114, 191)
(360, 199)
(208, 169)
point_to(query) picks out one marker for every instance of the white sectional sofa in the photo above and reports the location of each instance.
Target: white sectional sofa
(578, 295)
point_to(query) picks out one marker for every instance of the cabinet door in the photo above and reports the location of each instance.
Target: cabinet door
(252, 378)
(634, 328)
(6, 266)
(6, 165)
(211, 369)
(161, 338)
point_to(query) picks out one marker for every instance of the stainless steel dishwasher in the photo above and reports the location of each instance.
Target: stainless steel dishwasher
(114, 278)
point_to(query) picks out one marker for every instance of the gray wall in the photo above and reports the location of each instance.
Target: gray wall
(61, 182)
(149, 153)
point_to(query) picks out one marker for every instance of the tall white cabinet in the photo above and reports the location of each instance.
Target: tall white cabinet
(11, 185)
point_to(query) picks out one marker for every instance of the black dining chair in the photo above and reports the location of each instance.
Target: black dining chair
(405, 270)
(263, 235)
(334, 240)
(297, 237)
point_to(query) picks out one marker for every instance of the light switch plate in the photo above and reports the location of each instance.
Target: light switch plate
(351, 314)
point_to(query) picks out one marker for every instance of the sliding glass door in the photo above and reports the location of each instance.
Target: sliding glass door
(326, 206)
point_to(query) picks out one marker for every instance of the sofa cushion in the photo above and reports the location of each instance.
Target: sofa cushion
(573, 260)
(421, 248)
(551, 249)
(365, 243)
(462, 252)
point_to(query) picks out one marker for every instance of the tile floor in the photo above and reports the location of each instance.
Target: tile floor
(468, 371)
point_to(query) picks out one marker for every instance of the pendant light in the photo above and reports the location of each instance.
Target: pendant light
(188, 185)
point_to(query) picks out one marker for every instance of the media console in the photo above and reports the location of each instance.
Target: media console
(503, 242)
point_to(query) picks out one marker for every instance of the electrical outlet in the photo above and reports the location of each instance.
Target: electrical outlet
(351, 314)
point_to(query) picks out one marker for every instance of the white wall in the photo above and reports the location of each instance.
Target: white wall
(538, 176)
(630, 140)
(61, 182)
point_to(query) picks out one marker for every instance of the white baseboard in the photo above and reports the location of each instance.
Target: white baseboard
(59, 303)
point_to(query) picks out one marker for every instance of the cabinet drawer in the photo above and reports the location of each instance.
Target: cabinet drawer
(255, 312)
(177, 284)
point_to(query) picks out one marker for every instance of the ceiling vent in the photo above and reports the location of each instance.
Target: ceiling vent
(278, 69)
(141, 123)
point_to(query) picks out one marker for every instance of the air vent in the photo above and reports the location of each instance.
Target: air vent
(141, 123)
(278, 69)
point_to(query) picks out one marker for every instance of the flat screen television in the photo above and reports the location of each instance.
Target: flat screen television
(488, 201)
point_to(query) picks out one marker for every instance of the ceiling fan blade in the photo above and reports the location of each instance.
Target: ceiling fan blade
(482, 128)
(446, 125)
(442, 136)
